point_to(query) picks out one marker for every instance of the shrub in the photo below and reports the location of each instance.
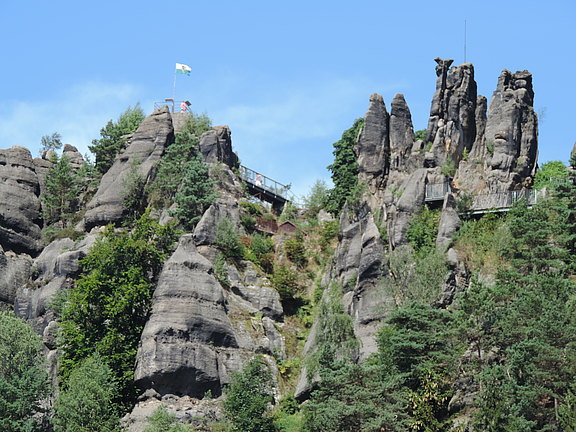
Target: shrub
(248, 397)
(23, 377)
(549, 173)
(163, 421)
(228, 240)
(295, 250)
(423, 229)
(285, 281)
(86, 403)
(449, 168)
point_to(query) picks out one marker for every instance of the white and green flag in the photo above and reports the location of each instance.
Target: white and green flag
(183, 69)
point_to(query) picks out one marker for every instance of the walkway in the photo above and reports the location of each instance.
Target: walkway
(265, 188)
(485, 203)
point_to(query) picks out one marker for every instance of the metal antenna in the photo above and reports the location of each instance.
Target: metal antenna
(464, 41)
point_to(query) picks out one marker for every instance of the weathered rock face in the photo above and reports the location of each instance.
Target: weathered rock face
(511, 135)
(216, 146)
(373, 147)
(73, 155)
(20, 217)
(401, 135)
(452, 126)
(143, 151)
(183, 345)
(14, 272)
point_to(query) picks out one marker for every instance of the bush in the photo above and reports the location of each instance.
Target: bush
(549, 173)
(285, 281)
(163, 421)
(296, 251)
(23, 377)
(328, 232)
(248, 397)
(423, 229)
(228, 240)
(86, 403)
(449, 168)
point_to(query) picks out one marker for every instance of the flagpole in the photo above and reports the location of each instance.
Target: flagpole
(174, 86)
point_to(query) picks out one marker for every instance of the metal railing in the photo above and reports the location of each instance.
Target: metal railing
(437, 191)
(485, 202)
(174, 106)
(265, 183)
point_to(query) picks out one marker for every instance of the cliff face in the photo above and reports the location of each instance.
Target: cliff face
(486, 152)
(203, 327)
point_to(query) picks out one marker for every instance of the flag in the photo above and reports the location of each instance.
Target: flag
(183, 69)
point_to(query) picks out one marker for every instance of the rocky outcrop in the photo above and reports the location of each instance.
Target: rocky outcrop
(373, 145)
(73, 155)
(183, 345)
(401, 136)
(14, 272)
(216, 146)
(20, 216)
(143, 151)
(449, 223)
(452, 126)
(511, 135)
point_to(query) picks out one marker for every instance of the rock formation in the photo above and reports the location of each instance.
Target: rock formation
(142, 152)
(20, 217)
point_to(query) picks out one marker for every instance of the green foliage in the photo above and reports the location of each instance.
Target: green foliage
(420, 135)
(423, 229)
(285, 281)
(572, 160)
(567, 410)
(248, 397)
(163, 421)
(176, 164)
(316, 198)
(60, 197)
(252, 208)
(111, 300)
(344, 169)
(449, 168)
(133, 194)
(195, 194)
(262, 248)
(490, 147)
(549, 173)
(113, 137)
(86, 403)
(289, 212)
(23, 378)
(228, 240)
(220, 270)
(51, 142)
(295, 250)
(328, 232)
(414, 277)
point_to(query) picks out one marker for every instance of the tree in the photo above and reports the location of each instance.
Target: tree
(113, 137)
(549, 173)
(316, 199)
(51, 142)
(195, 193)
(248, 397)
(86, 403)
(61, 193)
(23, 377)
(344, 169)
(163, 421)
(111, 300)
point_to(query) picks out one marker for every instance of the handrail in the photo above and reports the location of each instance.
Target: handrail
(266, 183)
(174, 106)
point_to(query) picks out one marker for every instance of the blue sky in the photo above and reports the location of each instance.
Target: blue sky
(287, 77)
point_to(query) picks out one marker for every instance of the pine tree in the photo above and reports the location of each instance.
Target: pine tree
(60, 197)
(113, 137)
(344, 169)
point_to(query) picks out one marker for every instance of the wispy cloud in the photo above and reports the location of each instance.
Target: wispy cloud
(78, 114)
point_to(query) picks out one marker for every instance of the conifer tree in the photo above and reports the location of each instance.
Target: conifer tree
(61, 194)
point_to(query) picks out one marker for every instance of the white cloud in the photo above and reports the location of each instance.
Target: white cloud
(78, 114)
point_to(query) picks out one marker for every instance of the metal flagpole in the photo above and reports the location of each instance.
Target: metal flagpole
(174, 86)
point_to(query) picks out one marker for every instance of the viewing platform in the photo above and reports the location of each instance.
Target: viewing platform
(265, 188)
(485, 203)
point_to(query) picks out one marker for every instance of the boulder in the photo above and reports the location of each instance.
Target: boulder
(216, 146)
(143, 151)
(181, 345)
(20, 215)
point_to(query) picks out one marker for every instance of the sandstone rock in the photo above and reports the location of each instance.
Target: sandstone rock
(409, 204)
(401, 134)
(144, 150)
(20, 217)
(180, 350)
(216, 146)
(373, 146)
(511, 136)
(14, 273)
(324, 216)
(73, 155)
(452, 126)
(449, 223)
(205, 231)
